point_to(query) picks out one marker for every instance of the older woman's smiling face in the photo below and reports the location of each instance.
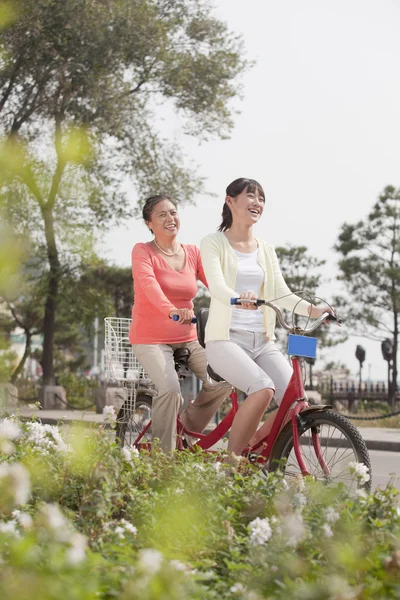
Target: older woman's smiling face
(247, 207)
(164, 219)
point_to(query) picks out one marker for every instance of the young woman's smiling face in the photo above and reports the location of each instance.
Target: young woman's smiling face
(247, 207)
(164, 219)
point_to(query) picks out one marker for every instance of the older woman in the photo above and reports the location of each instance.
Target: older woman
(165, 274)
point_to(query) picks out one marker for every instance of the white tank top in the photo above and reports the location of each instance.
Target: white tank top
(250, 277)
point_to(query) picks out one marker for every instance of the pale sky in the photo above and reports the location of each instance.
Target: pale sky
(319, 127)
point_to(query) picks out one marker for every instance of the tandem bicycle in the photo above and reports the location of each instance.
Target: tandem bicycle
(305, 440)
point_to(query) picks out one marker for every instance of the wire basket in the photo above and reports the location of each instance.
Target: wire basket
(120, 361)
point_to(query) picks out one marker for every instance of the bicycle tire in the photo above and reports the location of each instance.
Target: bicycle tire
(349, 442)
(132, 419)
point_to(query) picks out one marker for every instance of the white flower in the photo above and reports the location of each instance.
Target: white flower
(120, 532)
(300, 483)
(19, 479)
(293, 529)
(77, 551)
(9, 429)
(54, 518)
(128, 526)
(179, 491)
(237, 588)
(274, 568)
(129, 453)
(9, 527)
(361, 494)
(331, 515)
(150, 560)
(23, 518)
(198, 467)
(178, 565)
(6, 447)
(398, 511)
(46, 437)
(260, 531)
(299, 500)
(327, 530)
(109, 413)
(360, 471)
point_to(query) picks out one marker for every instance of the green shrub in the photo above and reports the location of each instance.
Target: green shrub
(81, 518)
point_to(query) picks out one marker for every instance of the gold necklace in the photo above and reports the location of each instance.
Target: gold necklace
(164, 251)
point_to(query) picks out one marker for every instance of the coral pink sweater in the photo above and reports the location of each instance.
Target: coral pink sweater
(160, 289)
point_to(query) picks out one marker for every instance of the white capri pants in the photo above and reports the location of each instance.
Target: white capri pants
(250, 362)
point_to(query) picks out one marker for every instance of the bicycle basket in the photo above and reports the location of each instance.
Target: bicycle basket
(120, 361)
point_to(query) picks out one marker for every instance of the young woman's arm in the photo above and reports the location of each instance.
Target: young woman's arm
(283, 293)
(143, 272)
(210, 258)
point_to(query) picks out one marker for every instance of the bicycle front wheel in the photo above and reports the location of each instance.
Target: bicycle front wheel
(329, 443)
(134, 418)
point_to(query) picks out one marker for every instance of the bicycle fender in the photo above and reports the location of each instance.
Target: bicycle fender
(310, 409)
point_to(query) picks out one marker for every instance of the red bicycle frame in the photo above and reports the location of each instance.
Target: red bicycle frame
(294, 395)
(293, 402)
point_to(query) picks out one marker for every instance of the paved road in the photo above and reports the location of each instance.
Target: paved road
(384, 464)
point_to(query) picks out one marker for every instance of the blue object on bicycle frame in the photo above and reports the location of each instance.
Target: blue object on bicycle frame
(300, 345)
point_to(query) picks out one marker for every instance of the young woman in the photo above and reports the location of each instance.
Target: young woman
(240, 339)
(165, 275)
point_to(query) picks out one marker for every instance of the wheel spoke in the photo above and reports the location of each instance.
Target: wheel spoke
(340, 444)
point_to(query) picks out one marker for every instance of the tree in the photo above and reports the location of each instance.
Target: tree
(104, 67)
(303, 276)
(370, 266)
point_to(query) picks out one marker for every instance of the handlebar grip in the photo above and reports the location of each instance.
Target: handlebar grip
(176, 318)
(333, 318)
(236, 301)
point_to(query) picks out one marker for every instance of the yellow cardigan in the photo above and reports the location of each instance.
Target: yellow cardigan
(220, 267)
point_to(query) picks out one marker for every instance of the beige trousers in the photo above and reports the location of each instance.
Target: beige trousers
(158, 362)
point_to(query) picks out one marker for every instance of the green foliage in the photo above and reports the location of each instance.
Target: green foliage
(106, 522)
(370, 268)
(302, 273)
(8, 358)
(81, 86)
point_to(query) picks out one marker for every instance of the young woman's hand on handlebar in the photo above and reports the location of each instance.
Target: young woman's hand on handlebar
(185, 315)
(316, 311)
(247, 305)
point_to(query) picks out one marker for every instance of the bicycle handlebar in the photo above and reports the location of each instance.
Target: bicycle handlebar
(259, 302)
(176, 318)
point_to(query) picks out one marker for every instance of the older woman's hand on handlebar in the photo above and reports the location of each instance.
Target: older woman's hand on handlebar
(185, 315)
(247, 305)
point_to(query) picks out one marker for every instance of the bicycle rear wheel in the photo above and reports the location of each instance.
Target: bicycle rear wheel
(132, 420)
(340, 444)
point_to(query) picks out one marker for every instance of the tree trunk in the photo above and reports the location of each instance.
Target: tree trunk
(21, 364)
(51, 298)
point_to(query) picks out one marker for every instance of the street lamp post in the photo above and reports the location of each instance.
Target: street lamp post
(387, 353)
(360, 356)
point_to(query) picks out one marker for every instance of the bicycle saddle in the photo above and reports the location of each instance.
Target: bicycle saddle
(202, 317)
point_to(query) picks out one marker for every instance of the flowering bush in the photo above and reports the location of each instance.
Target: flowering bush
(81, 518)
